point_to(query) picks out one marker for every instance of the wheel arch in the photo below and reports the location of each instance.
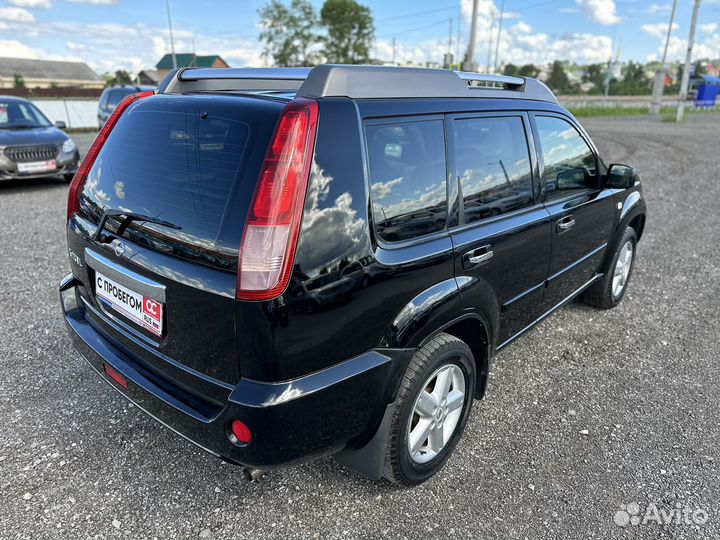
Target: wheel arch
(474, 330)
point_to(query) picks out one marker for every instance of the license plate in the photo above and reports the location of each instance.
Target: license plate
(140, 309)
(37, 166)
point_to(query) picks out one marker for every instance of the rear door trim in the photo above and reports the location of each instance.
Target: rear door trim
(122, 275)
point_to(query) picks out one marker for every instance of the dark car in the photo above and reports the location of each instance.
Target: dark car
(30, 145)
(111, 98)
(203, 212)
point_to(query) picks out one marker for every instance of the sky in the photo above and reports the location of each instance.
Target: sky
(133, 34)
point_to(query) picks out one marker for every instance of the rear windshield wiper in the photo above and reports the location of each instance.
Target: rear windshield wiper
(128, 217)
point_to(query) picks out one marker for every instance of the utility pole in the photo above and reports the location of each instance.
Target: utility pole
(450, 44)
(172, 41)
(487, 69)
(457, 40)
(497, 44)
(659, 85)
(393, 58)
(469, 64)
(688, 61)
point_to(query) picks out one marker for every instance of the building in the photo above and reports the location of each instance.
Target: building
(165, 65)
(48, 74)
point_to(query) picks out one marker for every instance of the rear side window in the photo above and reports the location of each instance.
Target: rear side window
(116, 96)
(493, 164)
(570, 165)
(407, 178)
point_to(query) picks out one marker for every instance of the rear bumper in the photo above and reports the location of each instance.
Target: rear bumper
(317, 414)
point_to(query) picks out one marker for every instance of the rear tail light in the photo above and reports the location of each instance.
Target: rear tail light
(269, 242)
(81, 175)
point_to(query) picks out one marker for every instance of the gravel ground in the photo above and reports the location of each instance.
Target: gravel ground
(591, 411)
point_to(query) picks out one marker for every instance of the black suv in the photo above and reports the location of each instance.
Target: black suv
(285, 263)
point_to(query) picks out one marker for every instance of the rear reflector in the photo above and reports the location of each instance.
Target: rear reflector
(115, 376)
(81, 175)
(240, 432)
(269, 242)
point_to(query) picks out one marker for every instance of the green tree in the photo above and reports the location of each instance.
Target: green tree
(18, 81)
(289, 34)
(350, 31)
(558, 80)
(595, 74)
(511, 69)
(633, 83)
(529, 70)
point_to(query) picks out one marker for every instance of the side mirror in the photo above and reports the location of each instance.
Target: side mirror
(620, 176)
(60, 124)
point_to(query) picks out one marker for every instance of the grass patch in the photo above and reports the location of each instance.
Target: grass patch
(588, 112)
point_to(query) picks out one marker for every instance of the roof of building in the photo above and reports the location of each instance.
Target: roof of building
(46, 69)
(151, 74)
(188, 60)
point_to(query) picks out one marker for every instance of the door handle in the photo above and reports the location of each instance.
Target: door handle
(479, 255)
(565, 224)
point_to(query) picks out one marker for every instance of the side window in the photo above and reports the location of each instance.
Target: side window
(570, 165)
(493, 164)
(407, 178)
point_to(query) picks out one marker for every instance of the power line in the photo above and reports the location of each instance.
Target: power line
(426, 12)
(424, 27)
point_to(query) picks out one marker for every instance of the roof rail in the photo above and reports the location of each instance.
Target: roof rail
(359, 82)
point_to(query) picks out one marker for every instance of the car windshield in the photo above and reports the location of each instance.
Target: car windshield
(21, 115)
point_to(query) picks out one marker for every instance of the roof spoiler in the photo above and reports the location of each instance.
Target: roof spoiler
(357, 82)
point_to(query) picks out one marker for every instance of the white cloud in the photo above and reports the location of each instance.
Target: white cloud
(677, 48)
(14, 49)
(658, 30)
(16, 14)
(75, 46)
(96, 2)
(709, 28)
(601, 11)
(659, 9)
(38, 4)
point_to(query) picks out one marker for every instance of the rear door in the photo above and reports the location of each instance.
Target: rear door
(503, 240)
(581, 211)
(164, 288)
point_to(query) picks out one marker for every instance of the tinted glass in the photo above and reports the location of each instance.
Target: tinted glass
(181, 161)
(21, 115)
(117, 95)
(407, 178)
(570, 165)
(493, 164)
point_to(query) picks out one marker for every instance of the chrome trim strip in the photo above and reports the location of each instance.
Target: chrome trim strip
(122, 275)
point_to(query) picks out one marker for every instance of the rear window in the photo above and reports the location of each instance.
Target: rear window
(116, 96)
(407, 178)
(190, 161)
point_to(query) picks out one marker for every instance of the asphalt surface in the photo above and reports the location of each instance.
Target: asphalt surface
(590, 411)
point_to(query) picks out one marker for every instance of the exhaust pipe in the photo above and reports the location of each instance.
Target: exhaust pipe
(251, 474)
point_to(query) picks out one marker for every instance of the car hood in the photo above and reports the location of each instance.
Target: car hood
(48, 135)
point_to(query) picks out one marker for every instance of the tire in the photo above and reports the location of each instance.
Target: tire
(602, 294)
(68, 178)
(442, 354)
